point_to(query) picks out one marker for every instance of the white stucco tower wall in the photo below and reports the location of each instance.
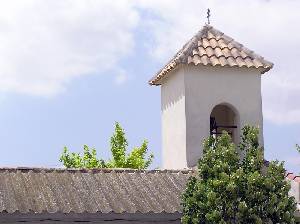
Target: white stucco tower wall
(188, 96)
(173, 108)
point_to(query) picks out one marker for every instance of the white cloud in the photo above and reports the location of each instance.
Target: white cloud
(45, 44)
(268, 27)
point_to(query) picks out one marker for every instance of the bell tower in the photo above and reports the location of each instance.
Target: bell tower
(212, 84)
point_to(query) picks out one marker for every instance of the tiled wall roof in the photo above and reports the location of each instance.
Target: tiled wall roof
(293, 177)
(212, 47)
(46, 190)
(295, 188)
(37, 190)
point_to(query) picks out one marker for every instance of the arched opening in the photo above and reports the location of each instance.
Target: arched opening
(223, 117)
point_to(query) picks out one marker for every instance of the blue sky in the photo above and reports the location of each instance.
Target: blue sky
(70, 69)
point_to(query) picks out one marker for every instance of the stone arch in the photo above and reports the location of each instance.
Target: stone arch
(225, 116)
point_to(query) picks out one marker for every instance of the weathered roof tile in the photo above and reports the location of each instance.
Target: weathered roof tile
(30, 190)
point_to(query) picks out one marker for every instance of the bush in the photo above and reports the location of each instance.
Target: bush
(228, 189)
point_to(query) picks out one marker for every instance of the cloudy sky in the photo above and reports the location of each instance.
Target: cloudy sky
(70, 68)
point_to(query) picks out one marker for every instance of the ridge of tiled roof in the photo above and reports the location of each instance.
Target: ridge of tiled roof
(92, 170)
(212, 47)
(55, 190)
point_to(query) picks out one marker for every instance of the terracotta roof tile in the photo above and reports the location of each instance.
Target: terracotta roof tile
(222, 60)
(248, 62)
(201, 51)
(212, 47)
(205, 60)
(213, 43)
(205, 43)
(222, 44)
(218, 52)
(231, 61)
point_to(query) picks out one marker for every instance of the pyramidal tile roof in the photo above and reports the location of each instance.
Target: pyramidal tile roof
(212, 47)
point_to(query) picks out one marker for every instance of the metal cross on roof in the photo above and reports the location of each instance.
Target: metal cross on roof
(208, 16)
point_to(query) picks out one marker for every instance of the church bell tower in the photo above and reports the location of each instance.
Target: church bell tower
(212, 84)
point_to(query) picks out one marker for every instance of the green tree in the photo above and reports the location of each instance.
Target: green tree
(136, 159)
(228, 189)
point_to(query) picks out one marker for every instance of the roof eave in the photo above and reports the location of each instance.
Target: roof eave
(156, 80)
(267, 68)
(162, 74)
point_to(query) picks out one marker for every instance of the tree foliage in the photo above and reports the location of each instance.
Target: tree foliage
(87, 160)
(231, 189)
(298, 147)
(136, 159)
